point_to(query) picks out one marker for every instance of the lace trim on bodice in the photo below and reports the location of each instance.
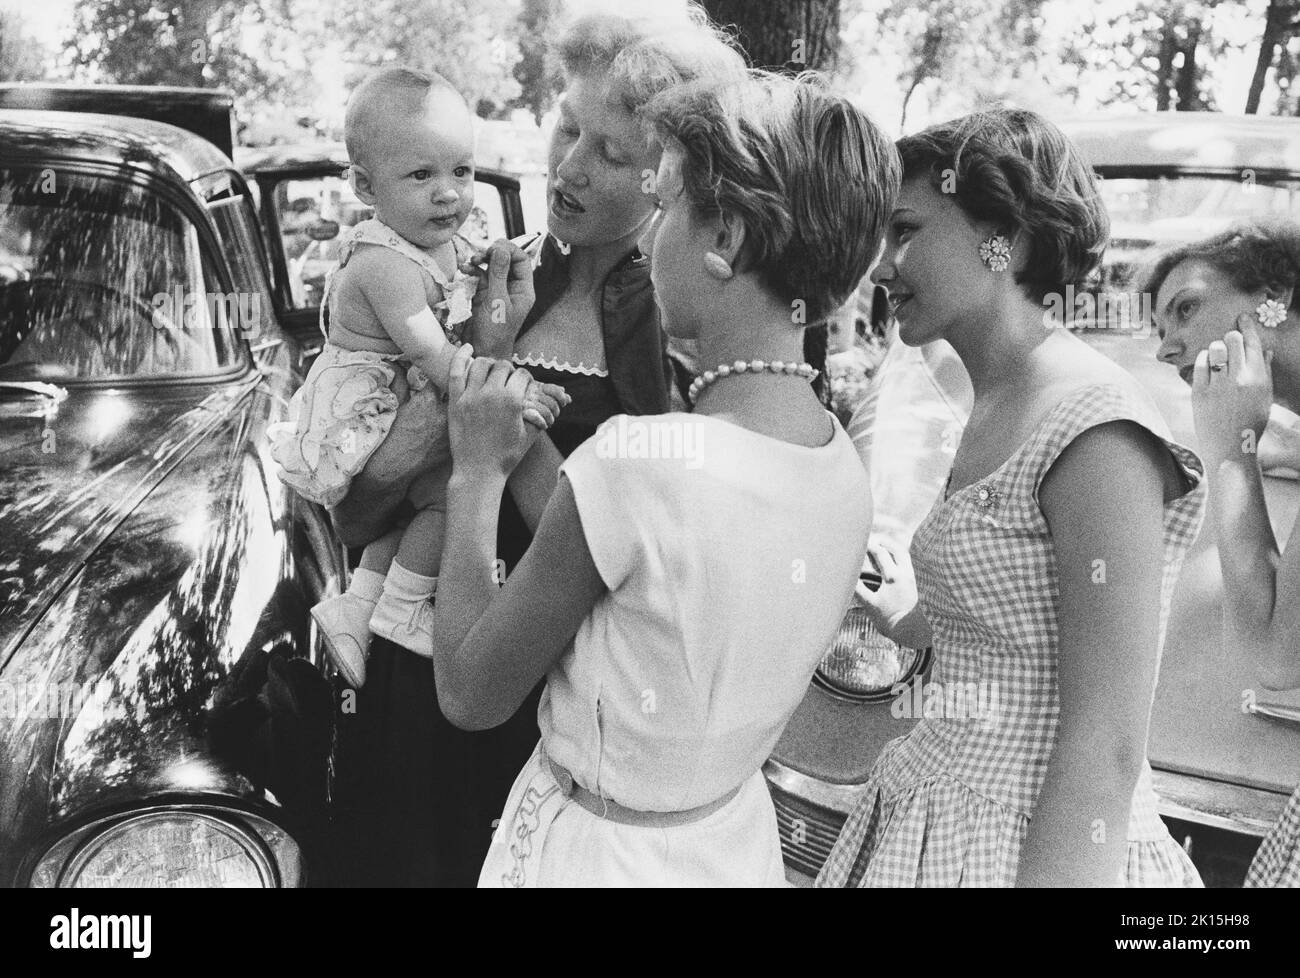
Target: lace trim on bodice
(537, 360)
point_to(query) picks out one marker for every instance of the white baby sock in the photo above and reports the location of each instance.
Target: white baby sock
(403, 614)
(366, 584)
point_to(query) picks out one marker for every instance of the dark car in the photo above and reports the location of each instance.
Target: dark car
(163, 717)
(1225, 752)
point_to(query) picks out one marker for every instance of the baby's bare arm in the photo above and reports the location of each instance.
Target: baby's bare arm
(394, 287)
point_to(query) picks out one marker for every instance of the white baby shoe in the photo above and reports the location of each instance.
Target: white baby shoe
(344, 624)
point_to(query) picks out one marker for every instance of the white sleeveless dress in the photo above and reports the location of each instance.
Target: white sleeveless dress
(730, 559)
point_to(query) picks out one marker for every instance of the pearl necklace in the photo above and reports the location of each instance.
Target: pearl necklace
(805, 370)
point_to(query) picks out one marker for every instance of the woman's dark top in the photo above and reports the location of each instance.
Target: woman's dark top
(425, 796)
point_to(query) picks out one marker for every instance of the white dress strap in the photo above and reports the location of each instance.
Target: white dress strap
(457, 290)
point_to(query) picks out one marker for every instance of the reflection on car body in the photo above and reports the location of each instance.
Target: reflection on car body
(163, 719)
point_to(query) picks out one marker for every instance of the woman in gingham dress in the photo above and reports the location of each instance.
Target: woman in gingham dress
(1045, 571)
(1247, 276)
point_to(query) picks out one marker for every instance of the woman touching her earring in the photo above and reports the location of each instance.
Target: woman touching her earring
(1247, 276)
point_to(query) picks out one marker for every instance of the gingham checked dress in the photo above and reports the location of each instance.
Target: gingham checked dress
(948, 803)
(1277, 863)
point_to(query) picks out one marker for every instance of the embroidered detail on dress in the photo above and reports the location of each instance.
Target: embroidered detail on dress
(537, 360)
(526, 822)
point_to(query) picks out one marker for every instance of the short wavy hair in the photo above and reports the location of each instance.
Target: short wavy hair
(1016, 170)
(1260, 254)
(643, 55)
(811, 177)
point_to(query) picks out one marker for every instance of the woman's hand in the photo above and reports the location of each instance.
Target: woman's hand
(1230, 405)
(893, 607)
(488, 434)
(502, 301)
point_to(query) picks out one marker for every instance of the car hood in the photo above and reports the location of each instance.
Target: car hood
(71, 476)
(149, 615)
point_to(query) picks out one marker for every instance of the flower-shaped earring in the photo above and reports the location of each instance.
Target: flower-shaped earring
(995, 252)
(1270, 313)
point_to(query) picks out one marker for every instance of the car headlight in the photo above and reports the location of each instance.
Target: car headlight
(171, 848)
(865, 666)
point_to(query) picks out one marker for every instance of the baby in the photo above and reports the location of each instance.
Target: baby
(393, 303)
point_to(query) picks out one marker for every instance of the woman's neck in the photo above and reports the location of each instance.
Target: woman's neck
(996, 352)
(1286, 370)
(747, 331)
(590, 265)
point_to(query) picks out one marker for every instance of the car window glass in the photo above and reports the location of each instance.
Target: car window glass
(251, 304)
(101, 279)
(308, 210)
(1151, 214)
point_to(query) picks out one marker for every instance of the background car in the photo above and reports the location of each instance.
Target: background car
(163, 717)
(1225, 752)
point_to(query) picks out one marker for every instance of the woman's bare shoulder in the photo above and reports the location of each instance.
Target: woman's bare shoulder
(1074, 366)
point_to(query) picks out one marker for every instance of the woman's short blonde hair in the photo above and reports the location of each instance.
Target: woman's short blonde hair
(812, 178)
(642, 55)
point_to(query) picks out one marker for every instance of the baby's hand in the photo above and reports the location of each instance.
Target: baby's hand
(542, 403)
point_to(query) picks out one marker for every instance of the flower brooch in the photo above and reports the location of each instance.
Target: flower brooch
(987, 495)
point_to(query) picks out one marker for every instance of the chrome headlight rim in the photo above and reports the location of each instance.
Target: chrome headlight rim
(95, 842)
(831, 688)
(47, 865)
(883, 694)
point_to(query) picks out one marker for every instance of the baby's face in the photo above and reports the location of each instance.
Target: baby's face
(422, 171)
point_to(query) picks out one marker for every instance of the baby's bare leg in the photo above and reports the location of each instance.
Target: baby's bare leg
(379, 554)
(420, 550)
(403, 613)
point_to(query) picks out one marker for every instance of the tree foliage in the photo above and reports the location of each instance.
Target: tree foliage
(944, 46)
(538, 79)
(788, 35)
(1155, 52)
(21, 58)
(918, 55)
(473, 45)
(1281, 26)
(201, 43)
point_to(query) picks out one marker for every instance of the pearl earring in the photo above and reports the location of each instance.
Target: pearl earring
(995, 252)
(717, 266)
